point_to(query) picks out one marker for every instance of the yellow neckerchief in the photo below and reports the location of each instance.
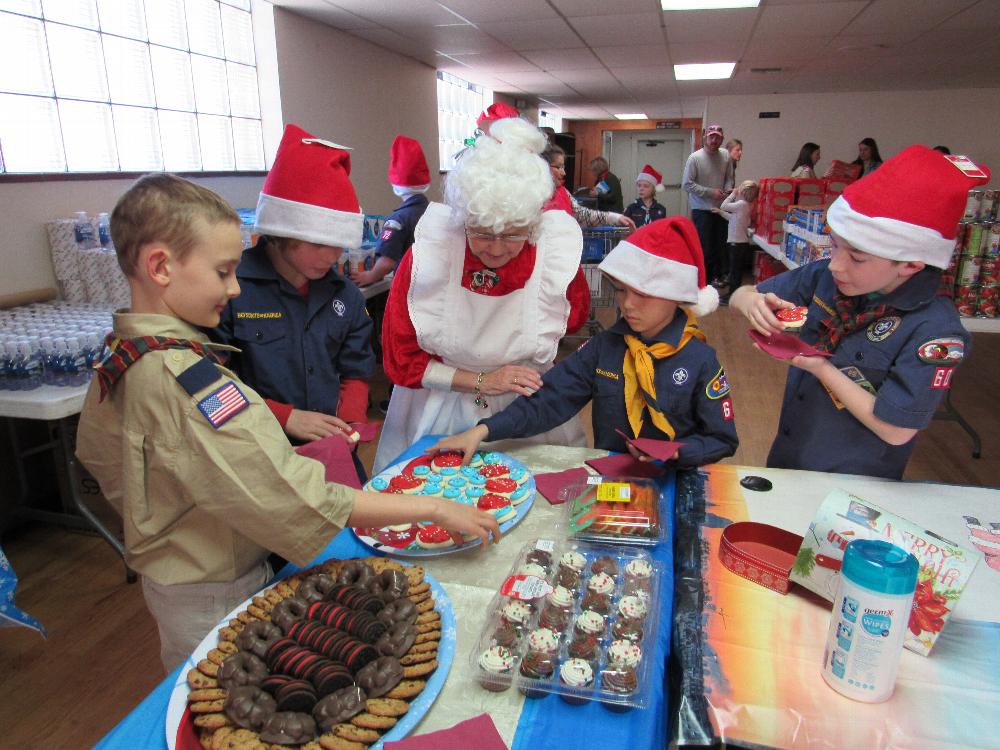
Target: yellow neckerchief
(639, 383)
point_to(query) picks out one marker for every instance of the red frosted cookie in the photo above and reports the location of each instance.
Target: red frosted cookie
(792, 317)
(406, 483)
(494, 470)
(448, 458)
(498, 505)
(501, 486)
(434, 537)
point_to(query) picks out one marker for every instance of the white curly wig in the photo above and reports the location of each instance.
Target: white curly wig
(502, 181)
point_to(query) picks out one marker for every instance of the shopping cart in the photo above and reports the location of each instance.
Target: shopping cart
(597, 243)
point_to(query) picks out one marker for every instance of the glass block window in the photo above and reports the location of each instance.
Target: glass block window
(128, 86)
(459, 105)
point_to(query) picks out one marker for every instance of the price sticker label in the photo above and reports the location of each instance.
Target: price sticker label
(545, 545)
(614, 492)
(594, 479)
(525, 587)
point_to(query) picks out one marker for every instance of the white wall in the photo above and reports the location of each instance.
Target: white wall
(335, 85)
(965, 120)
(352, 92)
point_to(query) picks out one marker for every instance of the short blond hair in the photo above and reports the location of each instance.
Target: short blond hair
(163, 208)
(749, 190)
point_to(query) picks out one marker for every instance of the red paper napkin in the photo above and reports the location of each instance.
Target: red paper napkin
(623, 465)
(479, 733)
(549, 485)
(335, 454)
(785, 346)
(661, 450)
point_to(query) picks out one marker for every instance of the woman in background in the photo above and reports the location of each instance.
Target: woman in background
(869, 159)
(805, 165)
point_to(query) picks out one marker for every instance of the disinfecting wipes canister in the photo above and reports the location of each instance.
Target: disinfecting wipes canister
(870, 615)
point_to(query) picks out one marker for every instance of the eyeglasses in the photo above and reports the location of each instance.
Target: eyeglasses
(507, 239)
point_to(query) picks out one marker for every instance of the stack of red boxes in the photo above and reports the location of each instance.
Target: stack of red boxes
(833, 187)
(776, 195)
(765, 267)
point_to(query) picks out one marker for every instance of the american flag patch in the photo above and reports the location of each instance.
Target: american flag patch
(223, 404)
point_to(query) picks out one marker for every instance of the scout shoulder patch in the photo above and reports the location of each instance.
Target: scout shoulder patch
(883, 328)
(942, 351)
(223, 404)
(718, 386)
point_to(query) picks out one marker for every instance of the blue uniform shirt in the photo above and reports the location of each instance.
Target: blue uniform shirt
(691, 391)
(906, 358)
(297, 349)
(397, 232)
(637, 212)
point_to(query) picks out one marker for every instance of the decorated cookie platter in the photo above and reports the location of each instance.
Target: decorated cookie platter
(416, 692)
(492, 481)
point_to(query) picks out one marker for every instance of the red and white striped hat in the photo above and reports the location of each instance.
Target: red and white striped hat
(308, 194)
(650, 175)
(664, 259)
(908, 208)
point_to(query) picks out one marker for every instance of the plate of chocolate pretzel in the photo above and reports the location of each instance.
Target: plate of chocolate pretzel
(346, 654)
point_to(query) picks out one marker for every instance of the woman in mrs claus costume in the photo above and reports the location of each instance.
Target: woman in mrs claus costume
(478, 305)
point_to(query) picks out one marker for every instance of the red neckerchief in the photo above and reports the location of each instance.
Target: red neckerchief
(476, 277)
(847, 321)
(121, 354)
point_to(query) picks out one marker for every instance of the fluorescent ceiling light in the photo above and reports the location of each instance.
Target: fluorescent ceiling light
(707, 4)
(635, 116)
(703, 71)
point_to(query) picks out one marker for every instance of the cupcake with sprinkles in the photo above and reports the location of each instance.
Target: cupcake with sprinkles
(532, 569)
(578, 675)
(495, 666)
(624, 653)
(515, 612)
(638, 574)
(632, 608)
(589, 623)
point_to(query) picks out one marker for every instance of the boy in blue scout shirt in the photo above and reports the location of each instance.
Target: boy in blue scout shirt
(875, 307)
(410, 178)
(191, 457)
(302, 329)
(651, 374)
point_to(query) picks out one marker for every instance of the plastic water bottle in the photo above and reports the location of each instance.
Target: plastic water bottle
(104, 231)
(871, 613)
(27, 366)
(84, 231)
(46, 355)
(5, 364)
(77, 371)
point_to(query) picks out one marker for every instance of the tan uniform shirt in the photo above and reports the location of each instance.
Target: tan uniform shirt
(201, 504)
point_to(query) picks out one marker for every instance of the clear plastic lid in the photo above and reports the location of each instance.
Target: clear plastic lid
(615, 510)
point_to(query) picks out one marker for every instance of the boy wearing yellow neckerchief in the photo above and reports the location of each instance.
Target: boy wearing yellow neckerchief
(651, 374)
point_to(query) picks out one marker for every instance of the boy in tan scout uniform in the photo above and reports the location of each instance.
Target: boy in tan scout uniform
(195, 462)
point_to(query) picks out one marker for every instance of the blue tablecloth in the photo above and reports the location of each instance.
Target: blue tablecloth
(542, 720)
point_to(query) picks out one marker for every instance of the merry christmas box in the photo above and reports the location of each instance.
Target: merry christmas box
(945, 567)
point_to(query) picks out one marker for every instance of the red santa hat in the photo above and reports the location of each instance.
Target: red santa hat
(496, 111)
(407, 164)
(308, 194)
(650, 175)
(909, 208)
(664, 259)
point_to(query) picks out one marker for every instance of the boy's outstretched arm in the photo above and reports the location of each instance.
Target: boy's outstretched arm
(758, 308)
(859, 402)
(373, 509)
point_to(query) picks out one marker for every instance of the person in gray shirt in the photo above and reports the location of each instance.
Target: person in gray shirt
(708, 178)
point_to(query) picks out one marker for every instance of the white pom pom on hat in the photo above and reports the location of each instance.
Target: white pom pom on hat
(664, 259)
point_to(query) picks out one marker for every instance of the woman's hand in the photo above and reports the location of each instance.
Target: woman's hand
(464, 442)
(626, 221)
(758, 309)
(511, 379)
(315, 425)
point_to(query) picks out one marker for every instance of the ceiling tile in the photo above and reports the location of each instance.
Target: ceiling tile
(498, 62)
(561, 59)
(543, 83)
(453, 40)
(812, 18)
(978, 17)
(646, 54)
(478, 11)
(393, 12)
(397, 43)
(546, 33)
(708, 51)
(594, 76)
(784, 47)
(906, 16)
(878, 45)
(644, 74)
(704, 88)
(573, 8)
(619, 30)
(317, 10)
(662, 109)
(709, 25)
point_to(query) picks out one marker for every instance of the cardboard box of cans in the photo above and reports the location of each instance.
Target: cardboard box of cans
(575, 619)
(779, 195)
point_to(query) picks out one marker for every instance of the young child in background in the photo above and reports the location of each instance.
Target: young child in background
(302, 329)
(875, 307)
(410, 178)
(736, 209)
(190, 456)
(651, 374)
(645, 209)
